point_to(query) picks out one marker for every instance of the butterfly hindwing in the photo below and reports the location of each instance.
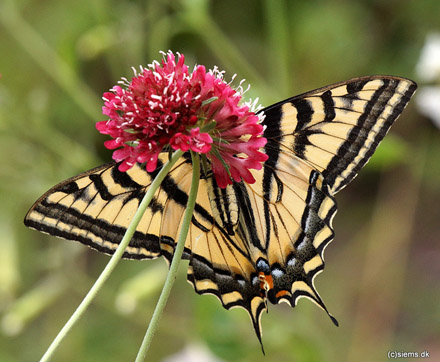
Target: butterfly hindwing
(294, 210)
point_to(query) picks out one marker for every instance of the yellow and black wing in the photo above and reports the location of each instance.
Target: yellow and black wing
(317, 143)
(227, 244)
(337, 128)
(247, 243)
(96, 207)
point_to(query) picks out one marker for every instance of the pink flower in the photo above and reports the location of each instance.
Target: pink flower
(167, 106)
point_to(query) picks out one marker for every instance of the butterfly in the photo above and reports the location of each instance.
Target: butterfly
(248, 243)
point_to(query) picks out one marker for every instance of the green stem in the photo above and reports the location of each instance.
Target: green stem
(171, 277)
(114, 259)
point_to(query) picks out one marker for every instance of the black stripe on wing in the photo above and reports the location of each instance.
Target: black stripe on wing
(68, 209)
(368, 106)
(53, 216)
(357, 137)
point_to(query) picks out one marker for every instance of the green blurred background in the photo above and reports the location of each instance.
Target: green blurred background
(382, 275)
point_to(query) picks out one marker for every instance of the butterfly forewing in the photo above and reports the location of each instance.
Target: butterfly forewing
(337, 128)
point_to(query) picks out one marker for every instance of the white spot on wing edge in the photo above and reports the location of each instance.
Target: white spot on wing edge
(277, 273)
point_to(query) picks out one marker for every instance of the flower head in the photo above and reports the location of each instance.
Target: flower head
(167, 106)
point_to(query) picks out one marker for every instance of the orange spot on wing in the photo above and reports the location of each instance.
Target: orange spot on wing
(282, 293)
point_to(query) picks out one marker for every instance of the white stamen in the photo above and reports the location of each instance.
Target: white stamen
(233, 78)
(154, 64)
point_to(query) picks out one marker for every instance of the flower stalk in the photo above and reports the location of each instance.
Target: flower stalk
(178, 251)
(114, 259)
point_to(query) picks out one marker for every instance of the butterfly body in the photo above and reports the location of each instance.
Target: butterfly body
(248, 243)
